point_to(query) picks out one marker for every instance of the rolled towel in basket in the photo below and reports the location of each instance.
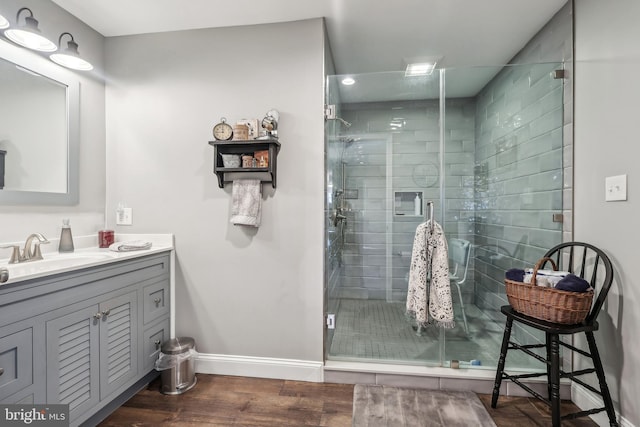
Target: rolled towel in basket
(515, 274)
(546, 278)
(573, 283)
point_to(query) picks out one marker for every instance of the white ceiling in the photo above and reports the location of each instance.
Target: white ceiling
(366, 36)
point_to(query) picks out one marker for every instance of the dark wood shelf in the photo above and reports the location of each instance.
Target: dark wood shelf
(264, 174)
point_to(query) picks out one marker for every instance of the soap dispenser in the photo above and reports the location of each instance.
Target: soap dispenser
(417, 205)
(66, 240)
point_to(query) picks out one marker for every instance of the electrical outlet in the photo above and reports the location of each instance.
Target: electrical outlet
(124, 216)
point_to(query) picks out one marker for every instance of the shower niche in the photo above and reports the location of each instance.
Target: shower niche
(408, 204)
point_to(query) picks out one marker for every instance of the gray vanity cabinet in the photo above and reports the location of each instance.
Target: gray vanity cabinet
(92, 352)
(73, 360)
(16, 361)
(118, 343)
(88, 338)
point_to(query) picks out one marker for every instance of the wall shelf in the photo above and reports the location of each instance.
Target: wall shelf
(264, 174)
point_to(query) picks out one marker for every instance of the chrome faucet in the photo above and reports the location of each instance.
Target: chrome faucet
(31, 251)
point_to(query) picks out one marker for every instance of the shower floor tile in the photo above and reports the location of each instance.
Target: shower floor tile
(379, 331)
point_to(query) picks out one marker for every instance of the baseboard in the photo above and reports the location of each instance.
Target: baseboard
(260, 367)
(585, 399)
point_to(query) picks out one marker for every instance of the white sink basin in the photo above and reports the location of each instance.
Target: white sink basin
(86, 254)
(55, 262)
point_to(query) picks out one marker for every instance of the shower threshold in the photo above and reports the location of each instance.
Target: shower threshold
(476, 379)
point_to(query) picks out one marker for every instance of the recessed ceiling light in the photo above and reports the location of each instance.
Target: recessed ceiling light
(348, 81)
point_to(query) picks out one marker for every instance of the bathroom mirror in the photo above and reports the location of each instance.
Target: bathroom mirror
(39, 113)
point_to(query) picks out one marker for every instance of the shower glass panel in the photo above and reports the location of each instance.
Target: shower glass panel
(489, 155)
(375, 168)
(503, 157)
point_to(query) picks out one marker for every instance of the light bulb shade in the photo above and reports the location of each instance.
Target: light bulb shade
(71, 61)
(28, 35)
(70, 57)
(4, 23)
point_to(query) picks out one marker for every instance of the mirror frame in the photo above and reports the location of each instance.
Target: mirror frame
(42, 66)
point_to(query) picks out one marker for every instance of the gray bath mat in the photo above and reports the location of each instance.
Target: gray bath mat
(375, 405)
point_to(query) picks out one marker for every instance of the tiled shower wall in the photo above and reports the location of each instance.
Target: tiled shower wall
(401, 139)
(524, 153)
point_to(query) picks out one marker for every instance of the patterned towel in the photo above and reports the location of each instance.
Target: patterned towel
(246, 202)
(429, 302)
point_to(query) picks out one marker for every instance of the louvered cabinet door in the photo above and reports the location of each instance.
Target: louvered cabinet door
(73, 360)
(118, 342)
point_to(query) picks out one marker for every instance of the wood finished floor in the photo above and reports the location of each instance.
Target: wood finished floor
(240, 401)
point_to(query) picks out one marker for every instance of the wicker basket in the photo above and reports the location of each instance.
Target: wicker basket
(552, 305)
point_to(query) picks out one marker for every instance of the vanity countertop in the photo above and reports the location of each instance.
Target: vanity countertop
(86, 254)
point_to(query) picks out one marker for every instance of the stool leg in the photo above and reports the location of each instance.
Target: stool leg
(597, 364)
(553, 344)
(548, 347)
(501, 361)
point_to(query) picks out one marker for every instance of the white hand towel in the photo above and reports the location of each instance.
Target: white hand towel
(246, 202)
(131, 245)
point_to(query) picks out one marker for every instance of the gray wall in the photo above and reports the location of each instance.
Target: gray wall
(606, 134)
(240, 291)
(87, 217)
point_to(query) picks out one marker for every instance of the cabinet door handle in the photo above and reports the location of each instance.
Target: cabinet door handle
(156, 342)
(97, 316)
(157, 301)
(1, 371)
(106, 312)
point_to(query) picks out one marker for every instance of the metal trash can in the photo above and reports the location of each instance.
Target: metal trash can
(178, 363)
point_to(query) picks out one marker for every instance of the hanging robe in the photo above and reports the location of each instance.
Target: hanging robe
(429, 293)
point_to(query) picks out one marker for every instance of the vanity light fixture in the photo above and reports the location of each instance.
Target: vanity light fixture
(28, 35)
(70, 57)
(4, 23)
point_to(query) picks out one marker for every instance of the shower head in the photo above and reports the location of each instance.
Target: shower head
(348, 139)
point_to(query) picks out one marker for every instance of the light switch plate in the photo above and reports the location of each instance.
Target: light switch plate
(615, 188)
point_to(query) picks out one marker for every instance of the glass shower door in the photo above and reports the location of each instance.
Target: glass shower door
(492, 163)
(376, 168)
(503, 196)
